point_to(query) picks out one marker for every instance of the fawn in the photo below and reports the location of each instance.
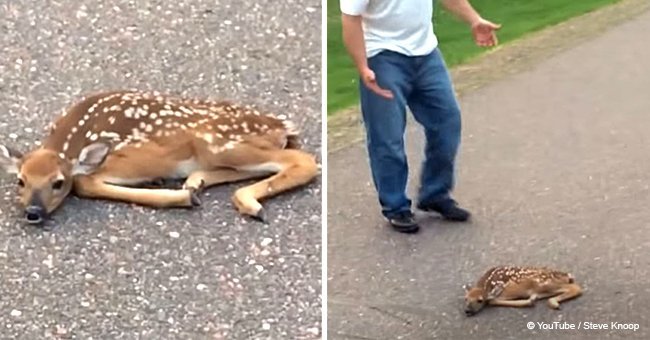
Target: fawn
(513, 286)
(109, 144)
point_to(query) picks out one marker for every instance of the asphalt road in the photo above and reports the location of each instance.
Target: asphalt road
(116, 271)
(555, 166)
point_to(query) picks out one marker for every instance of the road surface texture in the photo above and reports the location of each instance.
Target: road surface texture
(555, 167)
(118, 271)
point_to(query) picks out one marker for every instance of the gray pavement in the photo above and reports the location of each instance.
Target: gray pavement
(555, 166)
(115, 271)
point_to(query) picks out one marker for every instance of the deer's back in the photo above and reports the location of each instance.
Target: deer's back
(515, 275)
(128, 118)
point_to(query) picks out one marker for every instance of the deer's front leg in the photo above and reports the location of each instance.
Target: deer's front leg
(94, 186)
(512, 303)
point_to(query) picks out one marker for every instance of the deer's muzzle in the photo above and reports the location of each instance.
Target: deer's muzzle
(35, 212)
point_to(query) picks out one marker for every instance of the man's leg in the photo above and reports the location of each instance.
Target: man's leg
(434, 105)
(385, 122)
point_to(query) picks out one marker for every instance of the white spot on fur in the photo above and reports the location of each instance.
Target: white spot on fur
(244, 126)
(186, 110)
(128, 113)
(109, 134)
(290, 127)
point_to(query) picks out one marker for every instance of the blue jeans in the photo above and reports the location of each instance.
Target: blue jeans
(423, 84)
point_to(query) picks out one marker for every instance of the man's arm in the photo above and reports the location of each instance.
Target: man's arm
(356, 46)
(354, 41)
(482, 29)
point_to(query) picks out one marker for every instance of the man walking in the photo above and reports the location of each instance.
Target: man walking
(395, 51)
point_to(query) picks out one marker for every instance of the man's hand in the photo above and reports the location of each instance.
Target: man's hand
(368, 78)
(484, 33)
(354, 42)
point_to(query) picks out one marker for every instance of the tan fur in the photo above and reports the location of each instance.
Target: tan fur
(513, 286)
(151, 137)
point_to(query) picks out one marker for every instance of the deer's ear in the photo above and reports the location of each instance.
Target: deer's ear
(496, 291)
(467, 287)
(9, 160)
(90, 158)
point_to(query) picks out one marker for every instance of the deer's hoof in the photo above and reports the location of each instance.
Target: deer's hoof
(194, 198)
(552, 303)
(260, 216)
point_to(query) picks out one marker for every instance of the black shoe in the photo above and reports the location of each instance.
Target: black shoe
(449, 210)
(404, 223)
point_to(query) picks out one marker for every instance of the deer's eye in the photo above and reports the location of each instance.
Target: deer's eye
(58, 184)
(20, 183)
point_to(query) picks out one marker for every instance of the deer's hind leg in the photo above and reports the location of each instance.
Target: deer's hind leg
(568, 291)
(291, 168)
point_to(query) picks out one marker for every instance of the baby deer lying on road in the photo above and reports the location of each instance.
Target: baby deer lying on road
(519, 287)
(110, 143)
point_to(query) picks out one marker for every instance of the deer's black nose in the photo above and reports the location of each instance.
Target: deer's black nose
(34, 214)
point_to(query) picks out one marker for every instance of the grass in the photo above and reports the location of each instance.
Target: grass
(517, 17)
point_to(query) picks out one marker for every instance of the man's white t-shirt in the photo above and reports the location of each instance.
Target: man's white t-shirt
(403, 26)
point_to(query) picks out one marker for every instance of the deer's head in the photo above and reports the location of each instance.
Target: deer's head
(476, 298)
(44, 178)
